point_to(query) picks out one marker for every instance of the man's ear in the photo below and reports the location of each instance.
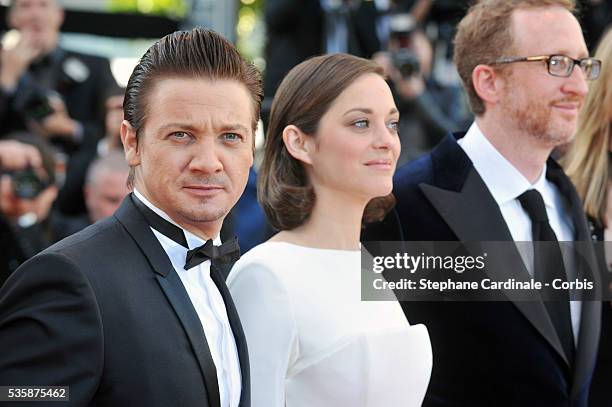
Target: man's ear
(487, 83)
(130, 144)
(299, 144)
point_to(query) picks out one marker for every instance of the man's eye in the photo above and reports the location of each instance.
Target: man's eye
(232, 136)
(361, 124)
(179, 135)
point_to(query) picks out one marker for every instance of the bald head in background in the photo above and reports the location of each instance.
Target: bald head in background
(105, 185)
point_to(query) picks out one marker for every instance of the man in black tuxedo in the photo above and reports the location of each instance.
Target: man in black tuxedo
(478, 187)
(134, 309)
(44, 87)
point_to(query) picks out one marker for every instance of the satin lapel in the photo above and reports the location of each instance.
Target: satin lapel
(172, 286)
(137, 226)
(234, 320)
(590, 318)
(179, 299)
(474, 216)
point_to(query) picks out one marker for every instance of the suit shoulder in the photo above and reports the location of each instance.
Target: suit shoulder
(104, 232)
(408, 177)
(49, 308)
(68, 259)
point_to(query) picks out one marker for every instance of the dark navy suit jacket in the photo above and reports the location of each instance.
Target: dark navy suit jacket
(486, 353)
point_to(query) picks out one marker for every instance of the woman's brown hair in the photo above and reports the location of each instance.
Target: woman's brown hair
(587, 161)
(303, 97)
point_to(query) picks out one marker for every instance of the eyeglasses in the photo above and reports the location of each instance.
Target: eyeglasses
(561, 65)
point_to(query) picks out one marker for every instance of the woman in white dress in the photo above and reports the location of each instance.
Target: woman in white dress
(330, 154)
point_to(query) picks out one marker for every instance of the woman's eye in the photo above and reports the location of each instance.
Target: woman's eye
(361, 124)
(394, 126)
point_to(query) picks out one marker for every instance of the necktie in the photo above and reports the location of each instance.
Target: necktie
(548, 266)
(229, 251)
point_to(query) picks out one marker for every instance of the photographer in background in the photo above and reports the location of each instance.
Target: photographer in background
(300, 29)
(27, 191)
(426, 107)
(56, 93)
(70, 200)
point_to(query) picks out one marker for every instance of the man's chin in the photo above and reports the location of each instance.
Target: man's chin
(204, 215)
(560, 138)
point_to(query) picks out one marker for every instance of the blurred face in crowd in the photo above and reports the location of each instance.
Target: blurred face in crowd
(356, 145)
(195, 149)
(105, 194)
(545, 107)
(39, 18)
(8, 200)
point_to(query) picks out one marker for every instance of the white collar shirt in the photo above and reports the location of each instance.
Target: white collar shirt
(209, 306)
(506, 183)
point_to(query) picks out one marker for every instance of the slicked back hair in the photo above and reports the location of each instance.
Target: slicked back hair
(199, 53)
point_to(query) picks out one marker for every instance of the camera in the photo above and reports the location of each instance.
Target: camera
(402, 57)
(406, 62)
(27, 184)
(36, 104)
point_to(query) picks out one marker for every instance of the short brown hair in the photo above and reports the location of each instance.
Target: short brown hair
(199, 53)
(484, 35)
(303, 97)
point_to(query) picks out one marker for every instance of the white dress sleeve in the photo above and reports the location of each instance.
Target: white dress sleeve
(266, 315)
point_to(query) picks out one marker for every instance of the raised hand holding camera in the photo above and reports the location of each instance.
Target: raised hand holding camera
(19, 49)
(57, 123)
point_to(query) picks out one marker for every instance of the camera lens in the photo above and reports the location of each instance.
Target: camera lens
(26, 184)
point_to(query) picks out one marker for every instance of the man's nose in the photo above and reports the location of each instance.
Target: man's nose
(576, 83)
(206, 158)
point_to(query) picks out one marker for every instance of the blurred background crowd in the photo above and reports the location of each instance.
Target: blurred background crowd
(63, 65)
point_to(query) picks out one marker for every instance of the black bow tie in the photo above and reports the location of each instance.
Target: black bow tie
(226, 253)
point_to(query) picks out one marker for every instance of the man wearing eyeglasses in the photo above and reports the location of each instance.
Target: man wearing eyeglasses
(525, 67)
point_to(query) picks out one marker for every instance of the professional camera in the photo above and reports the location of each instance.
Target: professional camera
(403, 58)
(27, 184)
(406, 62)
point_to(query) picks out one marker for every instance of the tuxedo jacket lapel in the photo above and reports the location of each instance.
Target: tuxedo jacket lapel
(179, 299)
(466, 205)
(590, 325)
(169, 281)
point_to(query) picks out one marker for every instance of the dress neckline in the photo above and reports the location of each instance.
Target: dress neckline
(324, 250)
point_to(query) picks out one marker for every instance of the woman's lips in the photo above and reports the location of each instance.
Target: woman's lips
(381, 164)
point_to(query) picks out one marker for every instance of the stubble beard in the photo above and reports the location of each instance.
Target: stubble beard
(203, 214)
(535, 119)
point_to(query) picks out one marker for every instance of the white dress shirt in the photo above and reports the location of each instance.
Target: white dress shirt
(209, 305)
(506, 184)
